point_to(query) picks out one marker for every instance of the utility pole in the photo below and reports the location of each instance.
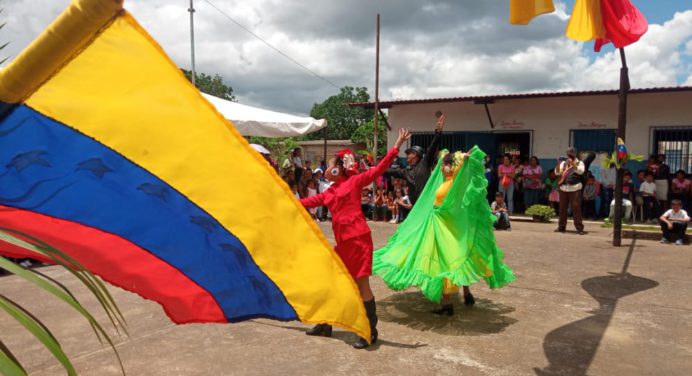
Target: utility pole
(622, 128)
(377, 87)
(191, 9)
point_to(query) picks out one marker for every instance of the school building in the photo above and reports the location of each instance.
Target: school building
(659, 120)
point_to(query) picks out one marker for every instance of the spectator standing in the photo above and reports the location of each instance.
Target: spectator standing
(533, 182)
(551, 188)
(608, 176)
(648, 192)
(393, 207)
(662, 180)
(591, 191)
(681, 188)
(499, 208)
(505, 174)
(366, 203)
(297, 161)
(674, 220)
(404, 204)
(570, 171)
(380, 205)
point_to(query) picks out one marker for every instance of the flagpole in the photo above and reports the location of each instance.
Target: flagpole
(192, 40)
(622, 130)
(377, 89)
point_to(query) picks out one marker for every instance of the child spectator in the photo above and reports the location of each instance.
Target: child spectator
(366, 203)
(294, 189)
(674, 220)
(499, 208)
(551, 186)
(393, 207)
(404, 205)
(380, 205)
(312, 191)
(591, 191)
(648, 192)
(627, 197)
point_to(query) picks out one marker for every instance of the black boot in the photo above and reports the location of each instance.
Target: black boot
(469, 300)
(371, 310)
(447, 309)
(322, 330)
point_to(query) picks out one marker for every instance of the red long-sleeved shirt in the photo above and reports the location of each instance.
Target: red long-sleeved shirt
(343, 200)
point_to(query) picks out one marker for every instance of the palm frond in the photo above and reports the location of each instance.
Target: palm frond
(51, 286)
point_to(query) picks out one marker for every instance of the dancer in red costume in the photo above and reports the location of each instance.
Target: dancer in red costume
(353, 238)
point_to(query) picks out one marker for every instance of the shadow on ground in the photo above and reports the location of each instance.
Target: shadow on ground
(571, 348)
(413, 310)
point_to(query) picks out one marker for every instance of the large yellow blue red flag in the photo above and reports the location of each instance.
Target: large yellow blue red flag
(605, 21)
(110, 154)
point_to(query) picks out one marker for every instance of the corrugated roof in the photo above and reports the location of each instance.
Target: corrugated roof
(391, 103)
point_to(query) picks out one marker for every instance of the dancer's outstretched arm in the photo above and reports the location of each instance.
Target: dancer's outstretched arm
(370, 175)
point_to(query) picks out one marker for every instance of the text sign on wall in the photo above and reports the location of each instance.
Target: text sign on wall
(511, 124)
(592, 125)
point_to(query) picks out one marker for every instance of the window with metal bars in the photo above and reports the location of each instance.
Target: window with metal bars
(676, 144)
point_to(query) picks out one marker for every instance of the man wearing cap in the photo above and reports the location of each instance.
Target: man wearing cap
(570, 171)
(420, 163)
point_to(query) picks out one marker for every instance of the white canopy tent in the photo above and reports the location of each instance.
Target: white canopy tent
(253, 121)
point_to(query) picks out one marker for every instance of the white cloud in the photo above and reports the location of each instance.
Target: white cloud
(430, 48)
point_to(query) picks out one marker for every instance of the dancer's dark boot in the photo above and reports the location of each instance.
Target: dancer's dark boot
(322, 330)
(371, 311)
(469, 300)
(447, 309)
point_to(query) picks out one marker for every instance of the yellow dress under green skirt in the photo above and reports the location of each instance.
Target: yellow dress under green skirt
(449, 243)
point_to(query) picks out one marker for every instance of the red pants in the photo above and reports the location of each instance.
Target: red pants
(356, 253)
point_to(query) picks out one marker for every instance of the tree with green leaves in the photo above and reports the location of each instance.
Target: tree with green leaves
(212, 85)
(343, 120)
(365, 134)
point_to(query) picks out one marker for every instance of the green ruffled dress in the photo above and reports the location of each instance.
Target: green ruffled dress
(454, 241)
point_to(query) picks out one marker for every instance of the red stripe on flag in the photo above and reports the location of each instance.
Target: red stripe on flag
(117, 261)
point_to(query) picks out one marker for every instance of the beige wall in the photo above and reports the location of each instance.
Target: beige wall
(551, 119)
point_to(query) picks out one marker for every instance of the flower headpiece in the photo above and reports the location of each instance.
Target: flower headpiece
(349, 161)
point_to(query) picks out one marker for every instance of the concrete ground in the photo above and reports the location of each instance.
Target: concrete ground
(571, 312)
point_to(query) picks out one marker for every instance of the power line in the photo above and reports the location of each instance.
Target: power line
(270, 46)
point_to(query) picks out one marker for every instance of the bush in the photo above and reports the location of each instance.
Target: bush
(542, 213)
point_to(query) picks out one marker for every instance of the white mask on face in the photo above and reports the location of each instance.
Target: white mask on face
(447, 170)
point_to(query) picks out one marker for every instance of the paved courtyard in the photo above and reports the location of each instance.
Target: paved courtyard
(572, 311)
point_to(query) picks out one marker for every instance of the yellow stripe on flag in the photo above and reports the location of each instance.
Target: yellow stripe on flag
(521, 12)
(123, 91)
(586, 22)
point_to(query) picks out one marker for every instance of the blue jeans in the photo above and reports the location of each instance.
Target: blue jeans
(509, 196)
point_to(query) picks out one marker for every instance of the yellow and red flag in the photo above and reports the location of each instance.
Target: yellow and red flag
(111, 155)
(606, 21)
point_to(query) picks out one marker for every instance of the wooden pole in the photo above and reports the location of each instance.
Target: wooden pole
(377, 88)
(622, 130)
(324, 133)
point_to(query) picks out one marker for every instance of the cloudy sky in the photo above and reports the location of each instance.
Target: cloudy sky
(429, 48)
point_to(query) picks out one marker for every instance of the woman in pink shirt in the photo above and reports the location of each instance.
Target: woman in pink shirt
(533, 183)
(681, 188)
(505, 173)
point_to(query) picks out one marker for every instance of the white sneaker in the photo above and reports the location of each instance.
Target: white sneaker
(393, 221)
(664, 241)
(678, 242)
